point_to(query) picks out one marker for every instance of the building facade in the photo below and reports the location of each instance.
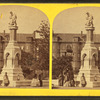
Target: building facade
(72, 44)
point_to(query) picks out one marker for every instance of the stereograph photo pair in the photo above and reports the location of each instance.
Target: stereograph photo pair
(25, 45)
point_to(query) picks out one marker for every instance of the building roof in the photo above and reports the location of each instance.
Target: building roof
(64, 37)
(68, 37)
(23, 37)
(20, 37)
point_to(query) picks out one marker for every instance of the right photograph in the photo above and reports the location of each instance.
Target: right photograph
(76, 49)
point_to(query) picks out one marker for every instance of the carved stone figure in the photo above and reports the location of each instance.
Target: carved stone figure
(13, 18)
(89, 19)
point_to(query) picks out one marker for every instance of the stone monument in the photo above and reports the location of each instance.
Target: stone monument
(89, 57)
(12, 56)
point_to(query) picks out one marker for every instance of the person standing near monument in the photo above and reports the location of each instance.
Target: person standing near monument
(66, 80)
(35, 81)
(71, 78)
(61, 79)
(5, 79)
(83, 80)
(40, 80)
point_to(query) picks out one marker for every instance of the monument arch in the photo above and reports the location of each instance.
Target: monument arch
(6, 59)
(17, 59)
(83, 59)
(94, 60)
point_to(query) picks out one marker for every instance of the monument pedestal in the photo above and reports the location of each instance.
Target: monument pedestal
(92, 77)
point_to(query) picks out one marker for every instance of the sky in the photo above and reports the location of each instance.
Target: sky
(73, 20)
(28, 18)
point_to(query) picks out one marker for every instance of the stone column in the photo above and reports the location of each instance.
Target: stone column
(76, 54)
(13, 31)
(56, 46)
(1, 53)
(89, 34)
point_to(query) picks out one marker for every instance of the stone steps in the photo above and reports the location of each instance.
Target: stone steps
(28, 83)
(96, 84)
(45, 82)
(90, 84)
(23, 83)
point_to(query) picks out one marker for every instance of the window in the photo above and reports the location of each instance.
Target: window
(69, 49)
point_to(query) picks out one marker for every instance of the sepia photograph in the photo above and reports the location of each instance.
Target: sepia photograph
(76, 49)
(24, 47)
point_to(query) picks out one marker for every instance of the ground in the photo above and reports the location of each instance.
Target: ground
(62, 87)
(45, 86)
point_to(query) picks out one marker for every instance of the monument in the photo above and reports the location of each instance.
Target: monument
(89, 57)
(12, 57)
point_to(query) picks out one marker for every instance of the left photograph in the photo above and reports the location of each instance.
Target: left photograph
(24, 47)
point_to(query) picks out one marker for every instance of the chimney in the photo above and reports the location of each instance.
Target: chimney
(4, 32)
(81, 33)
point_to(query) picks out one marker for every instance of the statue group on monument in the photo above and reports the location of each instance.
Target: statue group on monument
(13, 19)
(89, 19)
